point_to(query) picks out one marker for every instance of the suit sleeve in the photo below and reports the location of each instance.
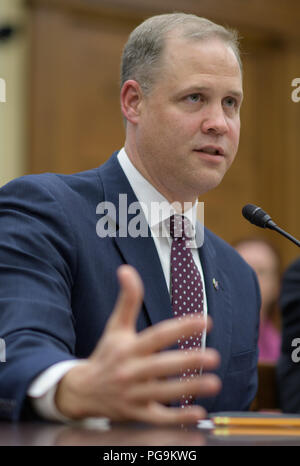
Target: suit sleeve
(37, 266)
(288, 370)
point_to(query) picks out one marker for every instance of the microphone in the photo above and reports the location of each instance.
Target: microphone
(260, 218)
(6, 31)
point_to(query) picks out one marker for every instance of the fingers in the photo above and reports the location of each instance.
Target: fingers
(167, 363)
(168, 332)
(159, 414)
(170, 390)
(129, 300)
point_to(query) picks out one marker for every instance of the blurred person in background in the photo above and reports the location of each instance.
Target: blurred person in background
(265, 260)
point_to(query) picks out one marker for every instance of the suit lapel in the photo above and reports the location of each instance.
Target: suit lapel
(217, 289)
(140, 252)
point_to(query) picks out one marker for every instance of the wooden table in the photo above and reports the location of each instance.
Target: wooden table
(129, 434)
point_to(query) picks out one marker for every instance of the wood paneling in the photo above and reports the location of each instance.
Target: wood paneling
(291, 156)
(267, 394)
(271, 16)
(76, 121)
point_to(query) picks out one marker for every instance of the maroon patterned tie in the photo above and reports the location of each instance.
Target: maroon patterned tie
(187, 288)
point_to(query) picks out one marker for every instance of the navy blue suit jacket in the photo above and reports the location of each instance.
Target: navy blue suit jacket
(58, 285)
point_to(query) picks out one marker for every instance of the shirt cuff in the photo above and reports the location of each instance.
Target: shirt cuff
(42, 390)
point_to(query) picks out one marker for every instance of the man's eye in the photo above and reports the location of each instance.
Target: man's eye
(194, 97)
(230, 102)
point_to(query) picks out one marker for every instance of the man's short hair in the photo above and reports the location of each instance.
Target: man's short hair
(143, 50)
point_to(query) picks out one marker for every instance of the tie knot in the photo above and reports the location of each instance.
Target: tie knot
(180, 227)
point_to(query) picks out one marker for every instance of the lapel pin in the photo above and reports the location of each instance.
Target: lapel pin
(215, 284)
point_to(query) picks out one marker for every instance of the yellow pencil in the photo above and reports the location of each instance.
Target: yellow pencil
(257, 421)
(261, 431)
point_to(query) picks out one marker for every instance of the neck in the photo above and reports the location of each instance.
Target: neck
(181, 200)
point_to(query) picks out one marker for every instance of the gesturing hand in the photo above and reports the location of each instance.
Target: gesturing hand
(128, 377)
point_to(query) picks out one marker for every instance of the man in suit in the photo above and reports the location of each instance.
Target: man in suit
(81, 343)
(288, 368)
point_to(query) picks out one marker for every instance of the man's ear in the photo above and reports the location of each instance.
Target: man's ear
(131, 98)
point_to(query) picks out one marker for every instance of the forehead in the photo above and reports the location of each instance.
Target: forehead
(210, 58)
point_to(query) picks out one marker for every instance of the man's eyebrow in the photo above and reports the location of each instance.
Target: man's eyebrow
(237, 94)
(195, 89)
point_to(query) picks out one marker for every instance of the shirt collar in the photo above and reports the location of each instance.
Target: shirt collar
(156, 207)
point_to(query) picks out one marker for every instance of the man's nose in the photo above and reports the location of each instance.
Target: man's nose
(214, 120)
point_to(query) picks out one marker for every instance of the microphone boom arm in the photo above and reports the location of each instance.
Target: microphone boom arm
(284, 233)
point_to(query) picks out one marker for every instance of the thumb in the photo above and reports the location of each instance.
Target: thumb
(129, 300)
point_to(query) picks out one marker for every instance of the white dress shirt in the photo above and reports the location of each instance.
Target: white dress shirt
(157, 211)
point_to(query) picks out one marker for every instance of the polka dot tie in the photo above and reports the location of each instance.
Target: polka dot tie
(187, 288)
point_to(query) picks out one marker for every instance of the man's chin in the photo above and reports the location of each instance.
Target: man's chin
(206, 184)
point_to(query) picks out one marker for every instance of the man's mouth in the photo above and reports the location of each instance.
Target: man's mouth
(211, 150)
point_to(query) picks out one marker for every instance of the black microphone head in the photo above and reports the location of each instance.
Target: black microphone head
(257, 216)
(6, 32)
